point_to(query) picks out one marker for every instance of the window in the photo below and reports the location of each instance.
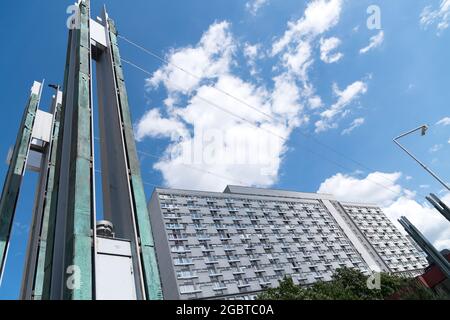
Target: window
(189, 288)
(219, 285)
(186, 274)
(179, 249)
(182, 261)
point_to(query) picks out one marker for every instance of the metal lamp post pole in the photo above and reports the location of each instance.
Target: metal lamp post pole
(424, 129)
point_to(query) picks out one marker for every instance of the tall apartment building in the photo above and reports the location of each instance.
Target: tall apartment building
(232, 245)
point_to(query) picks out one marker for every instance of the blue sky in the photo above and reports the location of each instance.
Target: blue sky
(302, 86)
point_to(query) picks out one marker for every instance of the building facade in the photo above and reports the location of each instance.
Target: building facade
(234, 244)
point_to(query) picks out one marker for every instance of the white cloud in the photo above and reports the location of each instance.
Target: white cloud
(215, 139)
(315, 102)
(436, 148)
(153, 125)
(327, 46)
(444, 122)
(375, 42)
(252, 52)
(296, 48)
(298, 61)
(209, 59)
(395, 203)
(319, 17)
(449, 141)
(355, 124)
(439, 16)
(253, 6)
(345, 98)
(424, 186)
(377, 188)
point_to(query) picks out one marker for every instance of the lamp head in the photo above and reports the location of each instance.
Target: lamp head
(424, 130)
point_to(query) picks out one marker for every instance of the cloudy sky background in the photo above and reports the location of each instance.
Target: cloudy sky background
(297, 95)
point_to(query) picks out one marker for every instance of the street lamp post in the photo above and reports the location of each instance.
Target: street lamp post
(423, 130)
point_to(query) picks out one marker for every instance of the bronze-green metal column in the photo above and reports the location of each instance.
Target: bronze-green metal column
(44, 269)
(42, 278)
(78, 264)
(15, 173)
(150, 270)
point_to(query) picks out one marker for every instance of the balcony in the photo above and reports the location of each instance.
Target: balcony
(203, 237)
(219, 286)
(233, 259)
(180, 250)
(278, 267)
(214, 273)
(186, 276)
(258, 269)
(174, 226)
(211, 260)
(264, 282)
(171, 216)
(189, 290)
(177, 237)
(183, 262)
(237, 271)
(243, 284)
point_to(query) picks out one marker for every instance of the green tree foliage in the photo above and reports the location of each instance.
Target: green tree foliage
(351, 284)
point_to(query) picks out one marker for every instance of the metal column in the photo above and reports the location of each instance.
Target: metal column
(73, 263)
(426, 246)
(38, 267)
(123, 192)
(16, 171)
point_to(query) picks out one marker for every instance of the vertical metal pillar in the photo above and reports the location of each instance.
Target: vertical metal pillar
(76, 209)
(37, 276)
(143, 226)
(16, 171)
(123, 192)
(426, 246)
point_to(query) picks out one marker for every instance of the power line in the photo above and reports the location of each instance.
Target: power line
(306, 148)
(158, 57)
(306, 135)
(211, 103)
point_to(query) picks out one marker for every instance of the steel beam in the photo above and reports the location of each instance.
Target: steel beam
(16, 170)
(139, 212)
